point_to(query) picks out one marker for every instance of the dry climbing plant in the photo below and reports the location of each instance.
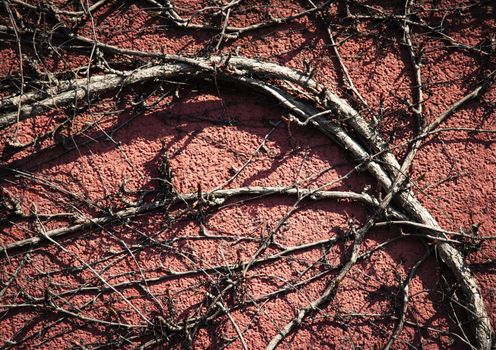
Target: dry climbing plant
(47, 29)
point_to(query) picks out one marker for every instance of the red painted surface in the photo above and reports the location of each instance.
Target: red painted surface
(453, 176)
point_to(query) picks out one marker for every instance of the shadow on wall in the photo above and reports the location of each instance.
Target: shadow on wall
(207, 141)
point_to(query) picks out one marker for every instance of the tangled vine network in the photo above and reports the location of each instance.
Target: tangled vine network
(247, 174)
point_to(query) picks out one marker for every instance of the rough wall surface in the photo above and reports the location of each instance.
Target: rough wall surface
(198, 274)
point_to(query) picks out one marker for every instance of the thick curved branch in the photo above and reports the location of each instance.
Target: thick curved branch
(241, 70)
